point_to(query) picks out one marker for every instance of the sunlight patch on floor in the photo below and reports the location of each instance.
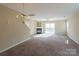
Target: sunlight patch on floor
(67, 42)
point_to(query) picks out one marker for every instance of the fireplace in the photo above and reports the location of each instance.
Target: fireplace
(39, 30)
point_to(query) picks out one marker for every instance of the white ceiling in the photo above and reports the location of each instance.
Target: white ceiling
(43, 11)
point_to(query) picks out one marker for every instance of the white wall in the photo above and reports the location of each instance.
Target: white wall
(73, 27)
(60, 27)
(12, 30)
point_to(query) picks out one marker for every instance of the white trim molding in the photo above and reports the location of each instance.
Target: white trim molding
(14, 45)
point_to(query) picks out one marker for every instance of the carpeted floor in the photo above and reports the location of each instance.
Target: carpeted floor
(45, 45)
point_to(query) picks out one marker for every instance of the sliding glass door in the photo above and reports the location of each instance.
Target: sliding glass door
(49, 27)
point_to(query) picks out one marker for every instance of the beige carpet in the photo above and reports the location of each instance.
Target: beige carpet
(45, 45)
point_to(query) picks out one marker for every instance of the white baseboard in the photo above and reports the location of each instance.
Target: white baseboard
(76, 41)
(73, 40)
(14, 45)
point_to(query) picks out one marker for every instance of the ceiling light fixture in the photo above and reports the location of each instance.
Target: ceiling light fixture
(23, 10)
(17, 16)
(23, 15)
